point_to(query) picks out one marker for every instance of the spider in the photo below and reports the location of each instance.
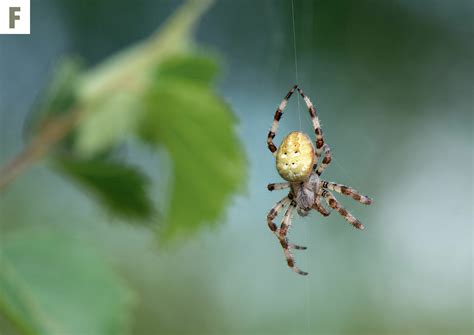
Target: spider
(297, 163)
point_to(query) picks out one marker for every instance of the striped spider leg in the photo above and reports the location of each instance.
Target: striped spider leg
(336, 205)
(320, 144)
(283, 230)
(319, 207)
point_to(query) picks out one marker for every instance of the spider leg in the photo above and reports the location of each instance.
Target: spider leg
(346, 190)
(326, 159)
(277, 186)
(286, 223)
(276, 119)
(273, 214)
(296, 246)
(319, 207)
(316, 125)
(333, 203)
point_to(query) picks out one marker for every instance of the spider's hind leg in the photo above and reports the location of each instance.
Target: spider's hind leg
(316, 124)
(346, 190)
(276, 120)
(319, 207)
(334, 204)
(286, 223)
(274, 213)
(326, 160)
(273, 227)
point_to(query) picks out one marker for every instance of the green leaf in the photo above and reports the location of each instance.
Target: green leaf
(112, 120)
(53, 284)
(196, 127)
(195, 67)
(107, 124)
(120, 188)
(16, 302)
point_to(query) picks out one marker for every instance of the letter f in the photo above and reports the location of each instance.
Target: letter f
(13, 16)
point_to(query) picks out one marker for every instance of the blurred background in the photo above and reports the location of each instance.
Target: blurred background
(392, 82)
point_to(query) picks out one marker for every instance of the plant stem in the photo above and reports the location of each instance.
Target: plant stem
(51, 133)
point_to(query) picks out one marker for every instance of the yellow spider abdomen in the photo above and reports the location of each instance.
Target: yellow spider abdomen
(295, 157)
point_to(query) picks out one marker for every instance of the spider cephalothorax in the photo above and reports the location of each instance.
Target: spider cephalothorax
(297, 162)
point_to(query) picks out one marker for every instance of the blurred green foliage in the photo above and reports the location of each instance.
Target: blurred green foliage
(60, 95)
(160, 92)
(121, 188)
(47, 277)
(196, 127)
